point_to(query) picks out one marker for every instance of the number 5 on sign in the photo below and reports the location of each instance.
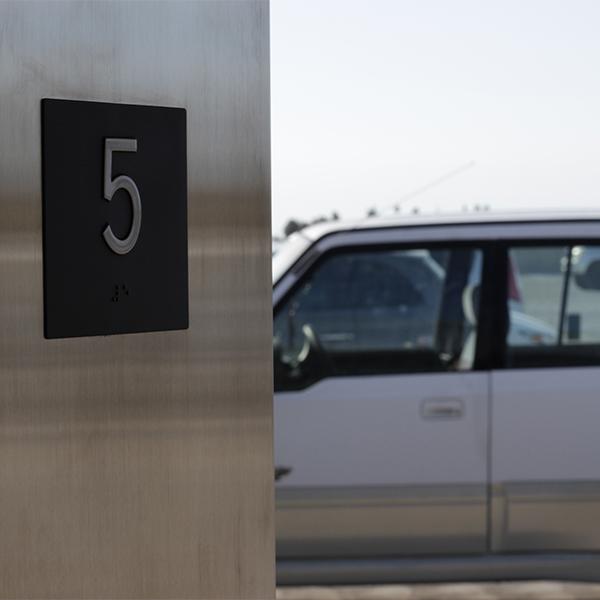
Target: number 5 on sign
(119, 245)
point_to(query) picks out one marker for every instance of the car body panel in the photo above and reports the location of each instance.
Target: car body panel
(340, 472)
(545, 453)
(517, 474)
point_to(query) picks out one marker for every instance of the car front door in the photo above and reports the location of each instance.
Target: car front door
(546, 399)
(380, 418)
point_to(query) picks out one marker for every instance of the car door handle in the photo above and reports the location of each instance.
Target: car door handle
(442, 408)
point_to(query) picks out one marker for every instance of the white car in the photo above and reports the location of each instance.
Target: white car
(436, 400)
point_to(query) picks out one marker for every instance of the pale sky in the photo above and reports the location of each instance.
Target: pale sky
(372, 99)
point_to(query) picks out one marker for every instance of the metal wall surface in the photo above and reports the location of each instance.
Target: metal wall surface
(141, 465)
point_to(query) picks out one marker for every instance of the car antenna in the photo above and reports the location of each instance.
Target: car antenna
(433, 183)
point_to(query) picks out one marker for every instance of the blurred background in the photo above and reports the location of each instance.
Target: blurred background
(391, 109)
(433, 105)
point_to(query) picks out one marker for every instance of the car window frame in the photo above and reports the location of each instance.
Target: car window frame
(482, 355)
(498, 360)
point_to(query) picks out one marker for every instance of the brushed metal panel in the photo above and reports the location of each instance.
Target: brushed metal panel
(141, 465)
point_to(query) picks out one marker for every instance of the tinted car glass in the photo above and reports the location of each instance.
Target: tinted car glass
(555, 315)
(379, 312)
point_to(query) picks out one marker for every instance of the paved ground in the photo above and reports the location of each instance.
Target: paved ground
(536, 590)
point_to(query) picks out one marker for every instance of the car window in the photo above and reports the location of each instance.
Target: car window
(379, 312)
(554, 306)
(582, 310)
(382, 282)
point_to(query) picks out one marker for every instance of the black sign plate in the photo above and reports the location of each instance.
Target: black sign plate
(115, 218)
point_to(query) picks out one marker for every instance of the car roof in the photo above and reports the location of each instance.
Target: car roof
(315, 232)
